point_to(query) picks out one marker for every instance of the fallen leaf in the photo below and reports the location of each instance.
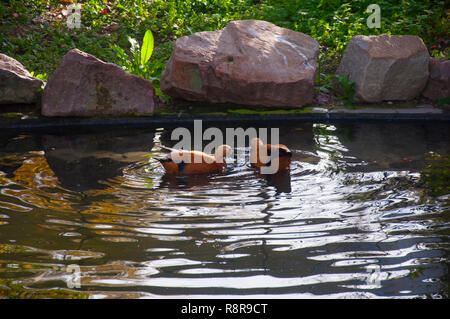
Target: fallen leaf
(105, 11)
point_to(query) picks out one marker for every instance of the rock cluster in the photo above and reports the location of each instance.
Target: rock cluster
(248, 62)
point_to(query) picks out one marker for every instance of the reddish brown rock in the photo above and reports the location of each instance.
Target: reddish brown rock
(86, 86)
(438, 86)
(17, 86)
(386, 67)
(248, 62)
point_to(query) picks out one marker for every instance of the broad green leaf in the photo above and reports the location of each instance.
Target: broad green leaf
(147, 47)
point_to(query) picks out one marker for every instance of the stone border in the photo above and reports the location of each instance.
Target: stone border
(320, 115)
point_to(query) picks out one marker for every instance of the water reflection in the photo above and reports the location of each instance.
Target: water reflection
(82, 161)
(184, 181)
(353, 201)
(281, 181)
(393, 147)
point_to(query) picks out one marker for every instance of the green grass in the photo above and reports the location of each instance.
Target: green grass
(41, 46)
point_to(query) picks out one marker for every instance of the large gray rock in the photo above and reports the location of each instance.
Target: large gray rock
(386, 67)
(248, 62)
(83, 85)
(17, 86)
(438, 86)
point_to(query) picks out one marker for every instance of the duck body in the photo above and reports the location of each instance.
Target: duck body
(263, 155)
(194, 162)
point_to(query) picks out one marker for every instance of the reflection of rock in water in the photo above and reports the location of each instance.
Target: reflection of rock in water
(393, 146)
(300, 140)
(300, 137)
(11, 145)
(82, 161)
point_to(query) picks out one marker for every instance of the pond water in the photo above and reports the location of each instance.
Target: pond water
(363, 213)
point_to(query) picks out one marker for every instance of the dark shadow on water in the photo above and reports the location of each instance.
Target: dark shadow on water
(12, 146)
(184, 181)
(82, 161)
(395, 147)
(280, 180)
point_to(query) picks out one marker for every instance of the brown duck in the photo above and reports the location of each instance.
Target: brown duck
(194, 162)
(263, 154)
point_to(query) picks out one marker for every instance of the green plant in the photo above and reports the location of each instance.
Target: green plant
(147, 47)
(43, 77)
(138, 61)
(40, 76)
(444, 101)
(338, 85)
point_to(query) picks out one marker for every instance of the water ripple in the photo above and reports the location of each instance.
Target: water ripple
(348, 221)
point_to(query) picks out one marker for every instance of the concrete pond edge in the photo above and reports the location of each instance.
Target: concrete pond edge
(319, 116)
